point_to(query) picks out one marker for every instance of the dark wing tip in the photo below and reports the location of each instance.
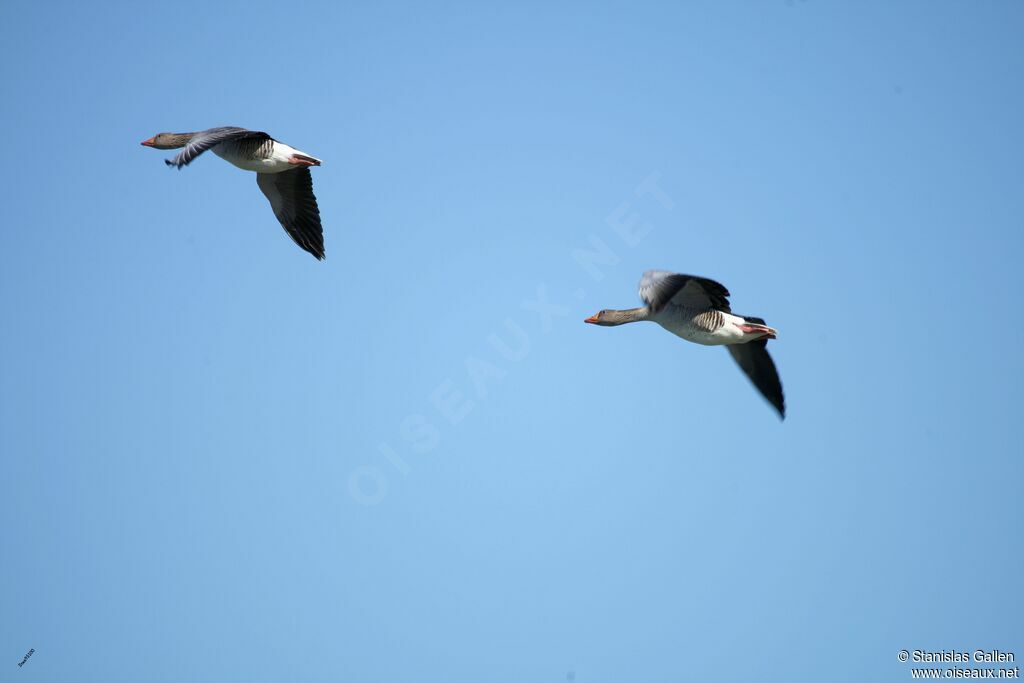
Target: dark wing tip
(291, 197)
(780, 406)
(771, 389)
(758, 366)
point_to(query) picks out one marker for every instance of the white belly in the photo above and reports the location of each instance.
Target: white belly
(277, 162)
(681, 324)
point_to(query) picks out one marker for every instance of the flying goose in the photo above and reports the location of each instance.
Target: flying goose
(282, 173)
(697, 309)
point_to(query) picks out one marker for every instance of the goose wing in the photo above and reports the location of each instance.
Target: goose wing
(658, 288)
(756, 364)
(206, 139)
(292, 199)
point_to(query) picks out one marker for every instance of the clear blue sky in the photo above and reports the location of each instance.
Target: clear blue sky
(224, 461)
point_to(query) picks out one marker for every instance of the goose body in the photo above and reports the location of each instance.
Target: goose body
(709, 327)
(269, 156)
(282, 174)
(697, 309)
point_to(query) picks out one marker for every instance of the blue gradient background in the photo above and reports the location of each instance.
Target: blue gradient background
(222, 461)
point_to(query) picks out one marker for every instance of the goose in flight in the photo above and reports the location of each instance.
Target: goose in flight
(282, 173)
(697, 309)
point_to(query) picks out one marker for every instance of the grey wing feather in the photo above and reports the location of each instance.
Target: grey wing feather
(658, 288)
(755, 362)
(206, 139)
(292, 199)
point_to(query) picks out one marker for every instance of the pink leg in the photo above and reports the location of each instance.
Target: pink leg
(299, 160)
(757, 329)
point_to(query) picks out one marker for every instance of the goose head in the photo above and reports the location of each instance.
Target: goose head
(168, 140)
(610, 318)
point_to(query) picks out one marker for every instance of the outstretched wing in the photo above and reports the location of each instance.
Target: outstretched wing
(658, 288)
(755, 362)
(292, 199)
(206, 139)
